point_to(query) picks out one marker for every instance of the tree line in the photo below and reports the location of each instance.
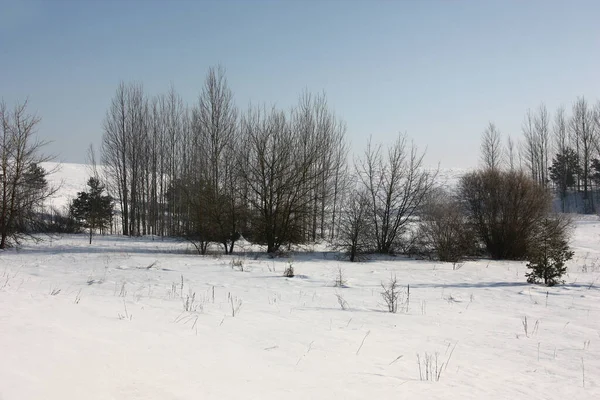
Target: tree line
(212, 173)
(561, 151)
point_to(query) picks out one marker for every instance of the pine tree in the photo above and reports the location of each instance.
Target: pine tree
(547, 259)
(93, 209)
(564, 172)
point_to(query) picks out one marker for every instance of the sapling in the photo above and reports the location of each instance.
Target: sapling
(391, 294)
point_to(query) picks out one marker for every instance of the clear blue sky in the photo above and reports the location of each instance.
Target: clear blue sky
(437, 70)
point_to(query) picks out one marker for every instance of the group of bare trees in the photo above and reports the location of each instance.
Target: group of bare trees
(211, 173)
(559, 151)
(292, 172)
(389, 185)
(23, 185)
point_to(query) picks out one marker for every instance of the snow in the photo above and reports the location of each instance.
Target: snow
(128, 336)
(107, 321)
(68, 178)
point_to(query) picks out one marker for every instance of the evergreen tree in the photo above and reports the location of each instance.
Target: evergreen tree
(564, 172)
(548, 257)
(30, 191)
(93, 209)
(595, 171)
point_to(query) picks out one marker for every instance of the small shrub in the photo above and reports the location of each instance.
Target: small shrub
(340, 279)
(190, 304)
(237, 264)
(444, 231)
(289, 270)
(429, 367)
(550, 252)
(391, 294)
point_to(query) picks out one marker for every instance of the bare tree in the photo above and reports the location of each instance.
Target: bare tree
(268, 170)
(510, 152)
(397, 184)
(115, 144)
(204, 173)
(565, 165)
(444, 229)
(560, 131)
(505, 208)
(23, 183)
(584, 133)
(542, 135)
(313, 120)
(491, 147)
(215, 132)
(536, 145)
(530, 146)
(355, 225)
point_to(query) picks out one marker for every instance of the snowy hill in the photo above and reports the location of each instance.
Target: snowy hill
(69, 178)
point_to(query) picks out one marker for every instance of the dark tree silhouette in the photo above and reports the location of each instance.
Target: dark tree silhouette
(93, 209)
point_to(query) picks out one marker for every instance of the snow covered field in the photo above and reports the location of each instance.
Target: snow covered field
(107, 321)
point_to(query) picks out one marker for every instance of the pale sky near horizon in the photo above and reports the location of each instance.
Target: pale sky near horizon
(437, 70)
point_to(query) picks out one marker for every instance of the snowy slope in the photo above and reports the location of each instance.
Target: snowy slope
(68, 178)
(107, 321)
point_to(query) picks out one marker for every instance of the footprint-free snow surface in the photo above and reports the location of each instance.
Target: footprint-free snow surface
(147, 319)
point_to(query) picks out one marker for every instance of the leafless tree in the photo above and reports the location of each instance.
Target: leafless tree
(115, 145)
(504, 207)
(542, 134)
(23, 186)
(584, 133)
(397, 184)
(313, 120)
(444, 230)
(560, 131)
(536, 145)
(491, 147)
(204, 173)
(511, 153)
(215, 132)
(354, 236)
(273, 170)
(530, 147)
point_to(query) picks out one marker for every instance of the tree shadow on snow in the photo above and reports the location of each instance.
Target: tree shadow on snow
(469, 285)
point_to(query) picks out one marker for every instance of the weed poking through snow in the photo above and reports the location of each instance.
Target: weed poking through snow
(236, 304)
(529, 332)
(340, 279)
(237, 264)
(126, 314)
(78, 297)
(342, 302)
